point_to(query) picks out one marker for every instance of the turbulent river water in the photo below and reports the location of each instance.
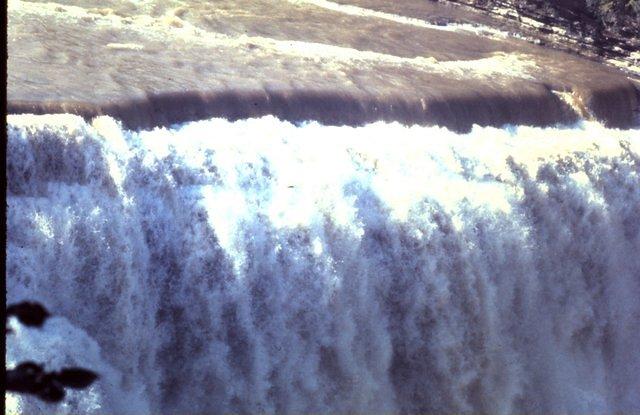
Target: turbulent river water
(263, 267)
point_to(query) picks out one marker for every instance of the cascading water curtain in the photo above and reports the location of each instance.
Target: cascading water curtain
(262, 267)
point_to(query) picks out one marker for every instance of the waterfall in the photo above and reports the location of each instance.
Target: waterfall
(259, 266)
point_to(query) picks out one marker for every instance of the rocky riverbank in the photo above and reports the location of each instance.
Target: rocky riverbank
(573, 25)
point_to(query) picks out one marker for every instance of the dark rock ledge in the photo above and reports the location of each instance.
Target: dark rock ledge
(458, 113)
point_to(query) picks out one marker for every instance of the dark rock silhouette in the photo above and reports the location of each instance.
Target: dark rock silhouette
(28, 313)
(30, 377)
(76, 378)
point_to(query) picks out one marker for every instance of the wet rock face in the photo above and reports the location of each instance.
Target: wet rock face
(344, 62)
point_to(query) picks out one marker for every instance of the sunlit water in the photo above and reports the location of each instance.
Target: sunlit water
(262, 267)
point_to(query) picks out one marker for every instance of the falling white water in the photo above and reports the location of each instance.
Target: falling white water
(262, 267)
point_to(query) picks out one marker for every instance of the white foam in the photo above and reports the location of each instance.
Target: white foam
(411, 21)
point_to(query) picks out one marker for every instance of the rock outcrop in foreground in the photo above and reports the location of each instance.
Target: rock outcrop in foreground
(343, 62)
